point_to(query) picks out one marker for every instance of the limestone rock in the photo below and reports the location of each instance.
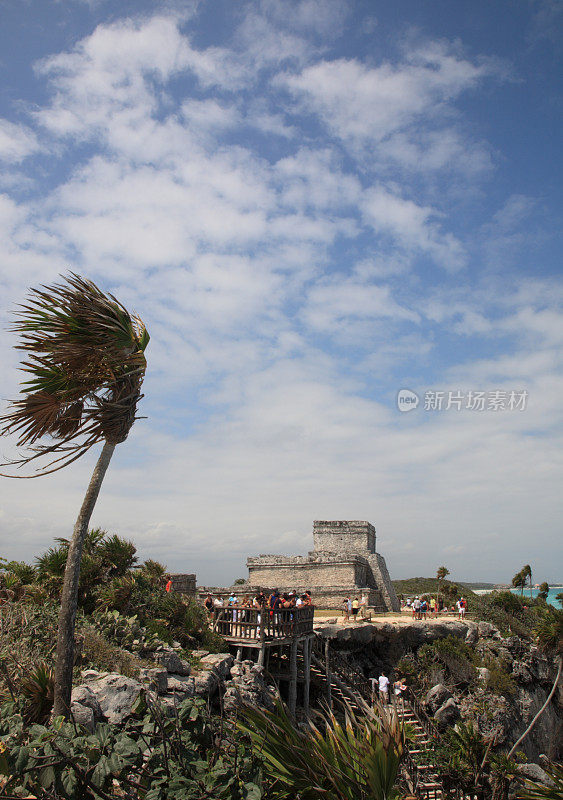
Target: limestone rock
(521, 672)
(180, 683)
(472, 634)
(83, 716)
(247, 687)
(219, 662)
(84, 696)
(436, 697)
(483, 674)
(535, 773)
(487, 630)
(92, 674)
(116, 695)
(172, 662)
(200, 653)
(206, 683)
(157, 678)
(447, 714)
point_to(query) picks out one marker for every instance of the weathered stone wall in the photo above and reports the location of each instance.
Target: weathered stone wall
(343, 536)
(183, 583)
(383, 581)
(331, 571)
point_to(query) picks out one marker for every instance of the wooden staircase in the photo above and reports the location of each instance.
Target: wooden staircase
(349, 687)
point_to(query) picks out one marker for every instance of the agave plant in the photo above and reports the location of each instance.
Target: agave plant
(37, 687)
(353, 760)
(86, 365)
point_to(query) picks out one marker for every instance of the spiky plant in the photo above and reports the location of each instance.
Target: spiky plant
(86, 365)
(357, 760)
(37, 687)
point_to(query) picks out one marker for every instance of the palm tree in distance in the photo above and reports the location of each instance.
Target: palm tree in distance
(519, 581)
(527, 573)
(86, 365)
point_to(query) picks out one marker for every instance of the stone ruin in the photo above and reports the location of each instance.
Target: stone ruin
(344, 563)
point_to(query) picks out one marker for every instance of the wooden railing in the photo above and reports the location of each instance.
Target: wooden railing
(263, 624)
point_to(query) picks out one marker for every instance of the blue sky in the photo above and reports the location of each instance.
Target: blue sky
(312, 205)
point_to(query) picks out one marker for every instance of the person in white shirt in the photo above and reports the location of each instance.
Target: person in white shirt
(384, 688)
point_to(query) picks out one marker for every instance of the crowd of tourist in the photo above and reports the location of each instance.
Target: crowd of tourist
(423, 606)
(272, 600)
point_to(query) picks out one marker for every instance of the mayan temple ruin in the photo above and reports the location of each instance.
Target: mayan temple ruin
(344, 562)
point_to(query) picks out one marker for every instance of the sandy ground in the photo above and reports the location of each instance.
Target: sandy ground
(400, 618)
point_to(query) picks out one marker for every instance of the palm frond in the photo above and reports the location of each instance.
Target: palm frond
(85, 371)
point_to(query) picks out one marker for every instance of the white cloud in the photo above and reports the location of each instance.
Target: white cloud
(16, 142)
(362, 105)
(411, 226)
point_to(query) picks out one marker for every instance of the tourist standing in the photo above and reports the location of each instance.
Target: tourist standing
(383, 688)
(347, 607)
(363, 605)
(355, 607)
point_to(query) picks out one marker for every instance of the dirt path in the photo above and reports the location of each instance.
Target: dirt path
(399, 618)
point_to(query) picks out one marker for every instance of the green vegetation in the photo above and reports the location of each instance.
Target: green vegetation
(357, 760)
(191, 756)
(449, 660)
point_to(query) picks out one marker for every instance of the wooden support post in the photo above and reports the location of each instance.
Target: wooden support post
(292, 696)
(328, 676)
(262, 636)
(239, 654)
(307, 646)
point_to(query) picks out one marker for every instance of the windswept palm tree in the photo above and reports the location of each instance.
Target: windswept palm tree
(519, 581)
(527, 574)
(86, 365)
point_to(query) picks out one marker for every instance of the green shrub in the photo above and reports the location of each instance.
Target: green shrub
(97, 652)
(453, 655)
(500, 682)
(151, 757)
(508, 601)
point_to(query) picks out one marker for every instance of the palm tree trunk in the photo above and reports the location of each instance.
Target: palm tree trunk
(540, 712)
(69, 595)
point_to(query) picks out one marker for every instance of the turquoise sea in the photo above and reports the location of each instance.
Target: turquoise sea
(553, 591)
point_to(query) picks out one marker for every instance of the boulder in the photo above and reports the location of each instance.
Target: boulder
(84, 696)
(487, 630)
(116, 695)
(472, 634)
(180, 683)
(483, 674)
(157, 678)
(200, 653)
(447, 714)
(92, 674)
(247, 687)
(206, 683)
(535, 773)
(219, 662)
(436, 697)
(172, 662)
(83, 716)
